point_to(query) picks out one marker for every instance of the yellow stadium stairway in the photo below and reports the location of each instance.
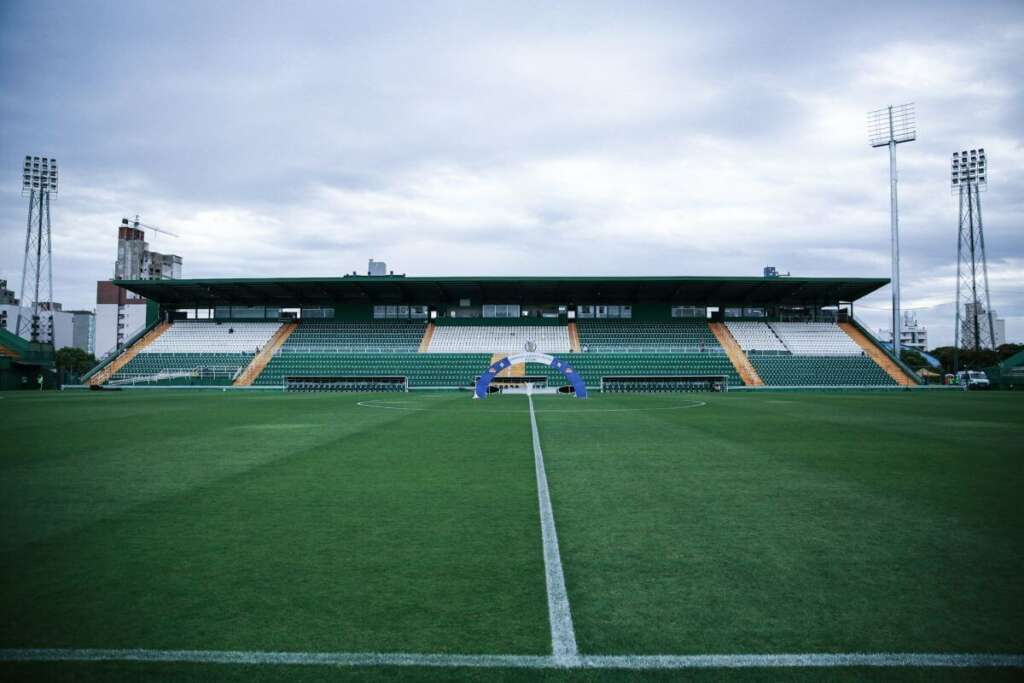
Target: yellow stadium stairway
(428, 334)
(574, 337)
(128, 354)
(736, 355)
(880, 357)
(260, 360)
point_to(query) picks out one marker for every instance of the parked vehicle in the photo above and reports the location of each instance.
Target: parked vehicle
(972, 379)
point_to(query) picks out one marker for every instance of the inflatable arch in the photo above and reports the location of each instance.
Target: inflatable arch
(530, 357)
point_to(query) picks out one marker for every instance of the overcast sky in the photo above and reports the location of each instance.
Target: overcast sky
(301, 139)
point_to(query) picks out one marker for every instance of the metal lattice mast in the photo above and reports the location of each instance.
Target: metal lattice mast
(887, 128)
(39, 180)
(975, 327)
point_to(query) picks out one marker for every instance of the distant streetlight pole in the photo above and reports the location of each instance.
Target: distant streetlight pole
(887, 128)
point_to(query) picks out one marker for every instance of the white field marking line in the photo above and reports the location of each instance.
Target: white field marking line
(563, 637)
(633, 662)
(379, 403)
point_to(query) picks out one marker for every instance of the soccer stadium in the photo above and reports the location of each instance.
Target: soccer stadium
(506, 477)
(688, 347)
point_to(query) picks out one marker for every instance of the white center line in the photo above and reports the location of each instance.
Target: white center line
(563, 636)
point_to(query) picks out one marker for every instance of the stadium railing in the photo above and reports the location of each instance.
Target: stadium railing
(111, 355)
(855, 321)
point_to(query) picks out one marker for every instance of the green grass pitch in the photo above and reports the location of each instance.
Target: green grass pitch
(687, 524)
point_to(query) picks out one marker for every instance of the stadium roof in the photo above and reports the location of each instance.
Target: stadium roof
(437, 291)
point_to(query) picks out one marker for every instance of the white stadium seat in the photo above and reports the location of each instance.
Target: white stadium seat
(497, 338)
(213, 337)
(800, 339)
(816, 339)
(755, 336)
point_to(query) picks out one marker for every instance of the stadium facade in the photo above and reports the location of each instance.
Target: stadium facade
(387, 332)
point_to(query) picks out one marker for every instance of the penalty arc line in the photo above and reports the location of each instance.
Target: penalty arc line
(629, 662)
(563, 636)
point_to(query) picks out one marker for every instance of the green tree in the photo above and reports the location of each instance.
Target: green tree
(75, 360)
(971, 359)
(914, 360)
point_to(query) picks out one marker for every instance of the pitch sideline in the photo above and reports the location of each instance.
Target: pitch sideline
(629, 662)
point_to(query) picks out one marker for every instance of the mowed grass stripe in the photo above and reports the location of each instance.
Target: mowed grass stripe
(791, 523)
(392, 532)
(71, 465)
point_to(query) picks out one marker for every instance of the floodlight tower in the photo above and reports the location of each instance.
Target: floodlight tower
(38, 181)
(974, 328)
(887, 128)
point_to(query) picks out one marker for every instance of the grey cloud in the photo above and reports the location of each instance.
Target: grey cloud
(668, 138)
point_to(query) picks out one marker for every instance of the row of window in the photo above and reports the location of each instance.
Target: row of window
(756, 312)
(399, 312)
(501, 310)
(596, 311)
(584, 311)
(317, 312)
(244, 312)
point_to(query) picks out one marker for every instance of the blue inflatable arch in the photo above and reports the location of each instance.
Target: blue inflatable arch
(485, 379)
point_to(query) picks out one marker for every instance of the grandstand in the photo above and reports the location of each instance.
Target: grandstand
(445, 332)
(192, 352)
(807, 354)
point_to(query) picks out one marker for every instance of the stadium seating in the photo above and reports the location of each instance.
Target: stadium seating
(213, 337)
(815, 339)
(197, 352)
(461, 350)
(756, 336)
(806, 354)
(822, 370)
(492, 338)
(421, 369)
(376, 336)
(202, 368)
(783, 354)
(611, 336)
(593, 366)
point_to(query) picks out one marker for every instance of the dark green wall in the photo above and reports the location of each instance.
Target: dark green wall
(353, 312)
(652, 312)
(12, 373)
(152, 312)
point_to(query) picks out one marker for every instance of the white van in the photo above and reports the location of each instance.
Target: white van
(972, 379)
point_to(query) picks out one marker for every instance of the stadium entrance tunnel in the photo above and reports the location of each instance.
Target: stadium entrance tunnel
(529, 357)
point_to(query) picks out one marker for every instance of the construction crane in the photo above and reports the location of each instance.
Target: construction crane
(137, 223)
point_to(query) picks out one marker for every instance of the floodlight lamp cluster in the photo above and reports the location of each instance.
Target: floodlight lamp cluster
(39, 174)
(893, 124)
(969, 167)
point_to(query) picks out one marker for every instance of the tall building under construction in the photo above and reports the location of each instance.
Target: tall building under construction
(119, 313)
